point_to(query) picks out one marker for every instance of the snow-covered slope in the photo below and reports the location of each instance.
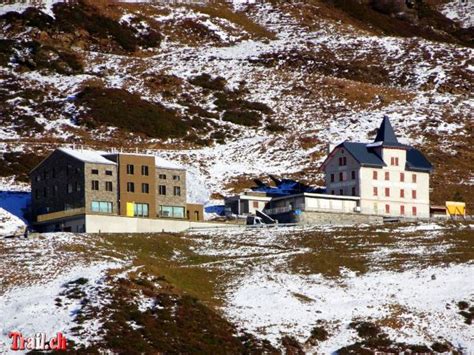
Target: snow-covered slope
(284, 80)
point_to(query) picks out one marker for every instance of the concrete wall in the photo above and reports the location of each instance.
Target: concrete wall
(115, 224)
(314, 217)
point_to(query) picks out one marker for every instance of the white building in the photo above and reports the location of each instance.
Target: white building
(247, 203)
(390, 178)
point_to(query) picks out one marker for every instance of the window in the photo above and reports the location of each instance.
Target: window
(145, 170)
(176, 177)
(255, 204)
(402, 177)
(341, 176)
(95, 184)
(45, 175)
(353, 175)
(145, 188)
(387, 191)
(78, 187)
(342, 161)
(341, 192)
(413, 194)
(78, 171)
(141, 210)
(413, 178)
(108, 172)
(402, 193)
(130, 187)
(413, 211)
(332, 192)
(332, 177)
(130, 169)
(396, 161)
(177, 191)
(55, 190)
(95, 171)
(101, 206)
(374, 175)
(402, 210)
(387, 208)
(38, 178)
(108, 186)
(37, 194)
(353, 191)
(162, 190)
(45, 192)
(387, 175)
(376, 192)
(69, 188)
(54, 173)
(172, 211)
(162, 176)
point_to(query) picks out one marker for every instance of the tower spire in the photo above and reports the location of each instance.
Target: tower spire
(385, 133)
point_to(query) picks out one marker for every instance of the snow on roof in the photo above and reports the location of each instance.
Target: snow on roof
(165, 164)
(88, 156)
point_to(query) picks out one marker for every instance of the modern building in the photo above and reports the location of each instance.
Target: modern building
(70, 185)
(390, 178)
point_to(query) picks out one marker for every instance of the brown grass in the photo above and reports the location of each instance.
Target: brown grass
(222, 10)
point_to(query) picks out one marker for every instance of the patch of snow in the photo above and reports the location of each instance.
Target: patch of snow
(459, 11)
(264, 302)
(32, 309)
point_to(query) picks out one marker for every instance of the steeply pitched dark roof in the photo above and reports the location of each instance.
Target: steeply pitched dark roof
(416, 161)
(363, 154)
(367, 156)
(366, 153)
(386, 134)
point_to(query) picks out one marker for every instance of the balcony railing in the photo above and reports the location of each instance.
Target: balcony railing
(60, 214)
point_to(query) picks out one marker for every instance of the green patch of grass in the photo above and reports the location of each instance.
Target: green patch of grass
(156, 253)
(119, 108)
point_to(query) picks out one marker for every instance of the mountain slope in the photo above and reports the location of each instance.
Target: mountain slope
(251, 89)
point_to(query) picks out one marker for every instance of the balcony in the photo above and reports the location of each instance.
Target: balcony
(60, 214)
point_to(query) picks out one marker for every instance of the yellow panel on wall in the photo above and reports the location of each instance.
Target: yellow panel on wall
(455, 208)
(130, 209)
